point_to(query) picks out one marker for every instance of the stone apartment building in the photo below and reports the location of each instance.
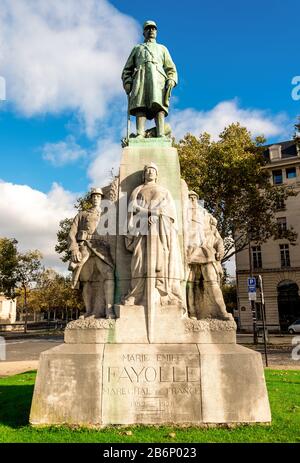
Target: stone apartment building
(277, 261)
(7, 310)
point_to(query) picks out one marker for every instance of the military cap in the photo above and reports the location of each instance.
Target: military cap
(149, 23)
(154, 166)
(193, 193)
(96, 191)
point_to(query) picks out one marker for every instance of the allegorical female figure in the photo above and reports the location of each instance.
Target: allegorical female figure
(153, 240)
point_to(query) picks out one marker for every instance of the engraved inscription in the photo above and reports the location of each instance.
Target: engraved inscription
(145, 384)
(163, 374)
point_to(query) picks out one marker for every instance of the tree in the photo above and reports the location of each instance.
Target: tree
(8, 265)
(230, 175)
(229, 291)
(53, 293)
(27, 272)
(62, 239)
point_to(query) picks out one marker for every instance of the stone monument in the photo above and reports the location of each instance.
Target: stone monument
(156, 344)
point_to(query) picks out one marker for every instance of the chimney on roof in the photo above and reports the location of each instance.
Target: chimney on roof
(275, 152)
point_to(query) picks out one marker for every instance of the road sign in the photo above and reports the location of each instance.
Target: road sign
(252, 289)
(251, 283)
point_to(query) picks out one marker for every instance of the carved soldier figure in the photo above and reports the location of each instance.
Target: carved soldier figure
(148, 78)
(205, 269)
(152, 205)
(195, 222)
(91, 261)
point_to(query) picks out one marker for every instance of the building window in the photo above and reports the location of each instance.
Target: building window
(256, 257)
(285, 255)
(277, 177)
(291, 172)
(280, 206)
(281, 225)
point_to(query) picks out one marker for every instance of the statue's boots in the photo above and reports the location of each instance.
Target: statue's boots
(140, 125)
(160, 124)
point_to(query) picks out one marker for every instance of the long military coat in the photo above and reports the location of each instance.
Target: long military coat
(147, 69)
(84, 238)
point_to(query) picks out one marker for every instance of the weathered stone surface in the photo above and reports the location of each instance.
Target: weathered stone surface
(210, 325)
(90, 323)
(204, 252)
(232, 385)
(150, 142)
(145, 384)
(171, 326)
(68, 386)
(149, 383)
(130, 328)
(134, 159)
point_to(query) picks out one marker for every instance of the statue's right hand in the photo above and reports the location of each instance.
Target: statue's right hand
(76, 257)
(152, 219)
(127, 88)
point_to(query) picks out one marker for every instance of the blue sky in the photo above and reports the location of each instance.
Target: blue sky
(65, 110)
(224, 49)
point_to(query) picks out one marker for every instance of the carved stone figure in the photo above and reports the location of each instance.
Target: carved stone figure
(204, 254)
(152, 239)
(91, 261)
(148, 78)
(195, 222)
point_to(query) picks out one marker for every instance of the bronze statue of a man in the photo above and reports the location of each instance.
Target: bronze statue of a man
(148, 78)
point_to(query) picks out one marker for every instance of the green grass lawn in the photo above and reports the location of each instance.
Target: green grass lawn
(284, 393)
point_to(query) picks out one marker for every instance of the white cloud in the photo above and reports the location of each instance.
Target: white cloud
(106, 159)
(63, 152)
(64, 55)
(259, 122)
(32, 217)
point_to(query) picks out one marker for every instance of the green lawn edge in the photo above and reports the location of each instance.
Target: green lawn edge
(284, 394)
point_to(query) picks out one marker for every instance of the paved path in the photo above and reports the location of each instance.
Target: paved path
(280, 358)
(29, 349)
(14, 368)
(23, 354)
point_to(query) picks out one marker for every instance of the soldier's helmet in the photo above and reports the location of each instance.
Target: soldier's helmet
(149, 23)
(96, 191)
(193, 193)
(153, 165)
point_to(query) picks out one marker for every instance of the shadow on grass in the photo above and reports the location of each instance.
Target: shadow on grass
(15, 403)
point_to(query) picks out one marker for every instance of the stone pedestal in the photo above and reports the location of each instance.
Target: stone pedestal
(171, 326)
(108, 373)
(105, 384)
